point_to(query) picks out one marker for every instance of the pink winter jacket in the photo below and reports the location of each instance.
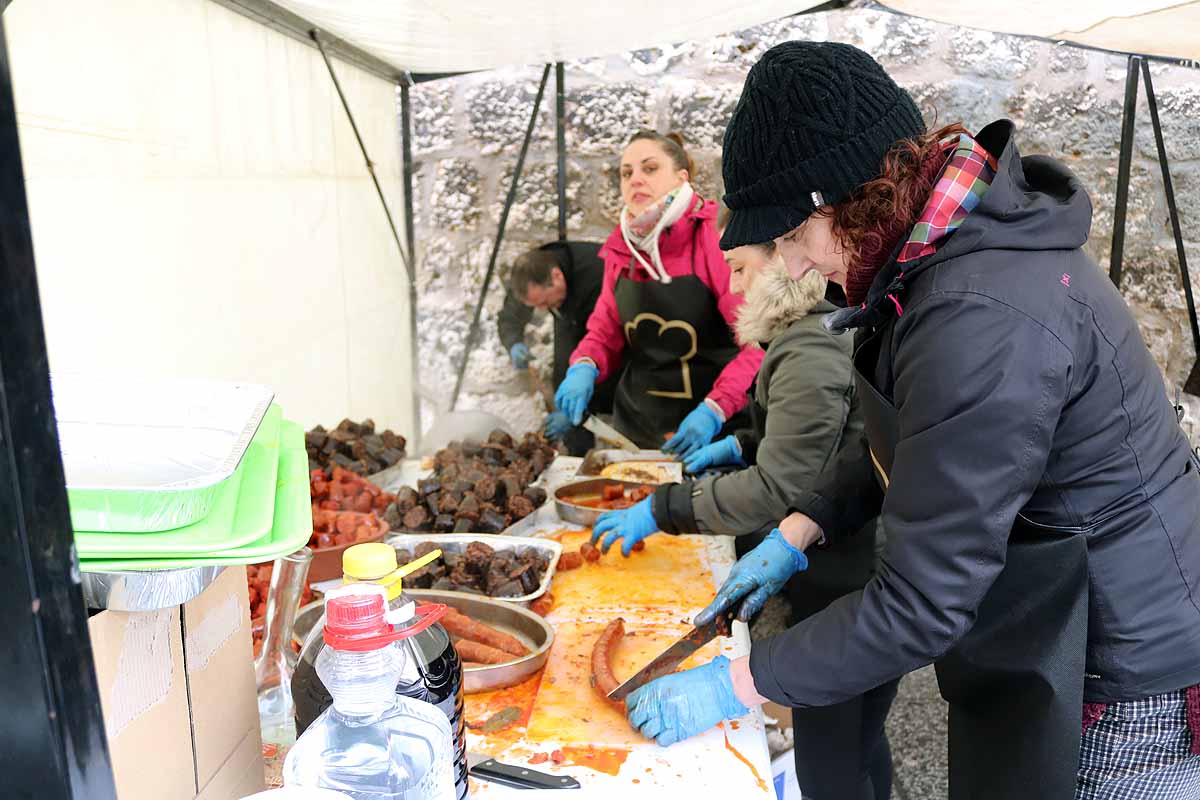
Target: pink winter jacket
(691, 243)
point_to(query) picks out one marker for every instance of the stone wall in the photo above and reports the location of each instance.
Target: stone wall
(1067, 102)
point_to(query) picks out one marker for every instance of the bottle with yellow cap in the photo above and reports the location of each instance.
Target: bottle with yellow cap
(434, 672)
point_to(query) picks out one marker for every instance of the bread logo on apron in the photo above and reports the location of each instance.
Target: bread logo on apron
(674, 336)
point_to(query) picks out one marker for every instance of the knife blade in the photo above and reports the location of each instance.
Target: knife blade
(607, 432)
(666, 662)
(489, 769)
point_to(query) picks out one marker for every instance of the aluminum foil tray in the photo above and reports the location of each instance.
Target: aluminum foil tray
(532, 631)
(150, 455)
(405, 544)
(145, 591)
(667, 469)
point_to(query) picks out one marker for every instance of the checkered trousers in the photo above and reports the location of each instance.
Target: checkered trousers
(1140, 750)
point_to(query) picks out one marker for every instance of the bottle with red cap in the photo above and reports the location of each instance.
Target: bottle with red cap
(373, 743)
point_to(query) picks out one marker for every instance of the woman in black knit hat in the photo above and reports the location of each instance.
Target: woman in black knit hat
(1041, 505)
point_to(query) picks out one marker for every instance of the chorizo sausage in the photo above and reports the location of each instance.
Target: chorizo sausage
(464, 627)
(603, 680)
(481, 653)
(589, 551)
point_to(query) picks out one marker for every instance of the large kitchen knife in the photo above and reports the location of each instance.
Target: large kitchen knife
(607, 432)
(517, 777)
(676, 654)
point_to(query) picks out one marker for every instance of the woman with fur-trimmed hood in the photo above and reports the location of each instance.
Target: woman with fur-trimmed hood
(802, 408)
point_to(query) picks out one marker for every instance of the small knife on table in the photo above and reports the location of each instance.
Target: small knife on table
(676, 654)
(489, 769)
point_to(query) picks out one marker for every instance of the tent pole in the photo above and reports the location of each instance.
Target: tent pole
(52, 740)
(409, 237)
(473, 331)
(561, 146)
(1117, 252)
(1192, 385)
(316, 37)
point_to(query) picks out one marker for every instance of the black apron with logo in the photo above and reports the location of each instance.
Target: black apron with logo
(1015, 681)
(677, 344)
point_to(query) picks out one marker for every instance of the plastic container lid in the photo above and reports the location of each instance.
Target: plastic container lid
(357, 618)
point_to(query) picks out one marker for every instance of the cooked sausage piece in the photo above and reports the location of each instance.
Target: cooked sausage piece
(464, 627)
(589, 551)
(570, 560)
(603, 680)
(481, 653)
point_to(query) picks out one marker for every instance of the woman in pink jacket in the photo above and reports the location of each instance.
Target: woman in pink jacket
(665, 313)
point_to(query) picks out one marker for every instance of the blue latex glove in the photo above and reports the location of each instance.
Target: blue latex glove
(674, 707)
(718, 454)
(631, 525)
(520, 355)
(556, 426)
(575, 391)
(697, 429)
(756, 576)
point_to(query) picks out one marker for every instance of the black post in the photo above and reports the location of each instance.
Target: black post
(473, 332)
(410, 237)
(52, 742)
(561, 146)
(1192, 385)
(366, 158)
(1117, 253)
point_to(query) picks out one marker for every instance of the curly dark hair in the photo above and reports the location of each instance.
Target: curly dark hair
(871, 218)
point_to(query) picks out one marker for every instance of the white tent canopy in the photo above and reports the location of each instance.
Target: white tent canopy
(483, 34)
(1166, 28)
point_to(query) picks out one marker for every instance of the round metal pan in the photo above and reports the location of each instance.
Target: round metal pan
(591, 489)
(532, 631)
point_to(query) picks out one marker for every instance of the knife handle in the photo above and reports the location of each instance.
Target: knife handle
(521, 777)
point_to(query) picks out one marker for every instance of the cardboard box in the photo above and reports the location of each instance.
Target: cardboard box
(178, 694)
(219, 659)
(143, 694)
(242, 773)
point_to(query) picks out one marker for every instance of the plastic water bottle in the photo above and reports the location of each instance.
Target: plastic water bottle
(372, 743)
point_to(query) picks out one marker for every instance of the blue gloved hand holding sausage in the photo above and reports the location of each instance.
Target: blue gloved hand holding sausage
(630, 525)
(675, 707)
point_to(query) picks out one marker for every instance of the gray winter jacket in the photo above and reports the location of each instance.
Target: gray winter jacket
(802, 408)
(1023, 389)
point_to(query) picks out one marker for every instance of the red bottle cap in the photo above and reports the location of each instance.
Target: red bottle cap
(356, 616)
(357, 620)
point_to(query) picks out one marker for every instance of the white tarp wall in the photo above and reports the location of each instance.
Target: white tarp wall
(200, 207)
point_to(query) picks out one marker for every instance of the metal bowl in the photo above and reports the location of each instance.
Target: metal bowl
(566, 499)
(533, 632)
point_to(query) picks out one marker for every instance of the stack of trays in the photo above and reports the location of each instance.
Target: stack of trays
(173, 475)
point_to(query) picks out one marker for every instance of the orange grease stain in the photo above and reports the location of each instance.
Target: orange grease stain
(734, 724)
(761, 783)
(602, 759)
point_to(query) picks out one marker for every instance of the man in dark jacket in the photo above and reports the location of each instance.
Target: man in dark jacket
(564, 279)
(1040, 502)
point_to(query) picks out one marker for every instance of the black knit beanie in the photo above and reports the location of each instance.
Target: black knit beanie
(814, 122)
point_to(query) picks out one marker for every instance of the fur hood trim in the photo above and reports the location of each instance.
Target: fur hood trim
(775, 301)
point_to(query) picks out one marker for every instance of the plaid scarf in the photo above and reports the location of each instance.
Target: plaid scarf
(964, 180)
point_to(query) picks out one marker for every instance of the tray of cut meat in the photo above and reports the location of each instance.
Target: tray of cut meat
(514, 569)
(583, 502)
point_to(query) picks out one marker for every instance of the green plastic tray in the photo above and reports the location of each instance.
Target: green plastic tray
(243, 513)
(291, 530)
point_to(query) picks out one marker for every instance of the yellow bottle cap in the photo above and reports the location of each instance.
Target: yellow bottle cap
(376, 562)
(369, 562)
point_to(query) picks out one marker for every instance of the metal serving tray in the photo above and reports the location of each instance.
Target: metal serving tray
(565, 498)
(457, 543)
(148, 455)
(532, 631)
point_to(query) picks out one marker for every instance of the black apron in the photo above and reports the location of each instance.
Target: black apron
(1015, 681)
(677, 344)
